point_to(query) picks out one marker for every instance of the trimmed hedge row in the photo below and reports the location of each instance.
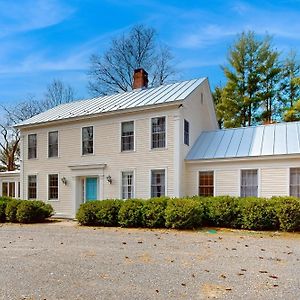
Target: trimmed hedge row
(277, 213)
(24, 211)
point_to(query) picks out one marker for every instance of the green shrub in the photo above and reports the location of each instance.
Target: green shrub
(11, 210)
(6, 198)
(222, 211)
(33, 211)
(2, 211)
(288, 213)
(131, 213)
(86, 214)
(259, 214)
(107, 212)
(184, 213)
(154, 212)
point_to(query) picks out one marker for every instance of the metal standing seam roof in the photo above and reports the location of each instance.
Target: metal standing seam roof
(264, 140)
(117, 102)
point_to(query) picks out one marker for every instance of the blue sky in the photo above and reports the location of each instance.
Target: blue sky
(45, 39)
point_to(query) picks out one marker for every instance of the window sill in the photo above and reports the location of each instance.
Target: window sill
(128, 151)
(88, 154)
(53, 200)
(158, 149)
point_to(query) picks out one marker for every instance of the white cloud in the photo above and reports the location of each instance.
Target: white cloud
(30, 15)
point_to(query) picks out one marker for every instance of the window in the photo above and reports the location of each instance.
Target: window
(249, 183)
(53, 144)
(295, 182)
(87, 140)
(19, 189)
(12, 189)
(127, 185)
(53, 187)
(186, 132)
(4, 189)
(127, 138)
(32, 149)
(158, 132)
(157, 183)
(206, 183)
(32, 187)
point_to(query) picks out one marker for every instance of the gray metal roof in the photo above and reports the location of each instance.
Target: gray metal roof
(275, 139)
(127, 100)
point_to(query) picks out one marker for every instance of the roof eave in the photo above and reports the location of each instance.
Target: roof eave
(231, 159)
(109, 113)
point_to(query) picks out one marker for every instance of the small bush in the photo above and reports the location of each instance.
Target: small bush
(86, 214)
(184, 213)
(11, 210)
(223, 211)
(259, 214)
(33, 211)
(131, 213)
(154, 212)
(288, 213)
(2, 211)
(107, 212)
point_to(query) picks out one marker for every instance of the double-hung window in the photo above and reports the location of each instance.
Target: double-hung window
(127, 185)
(158, 132)
(206, 183)
(32, 146)
(186, 132)
(53, 144)
(249, 183)
(295, 182)
(32, 186)
(87, 140)
(53, 186)
(127, 138)
(158, 183)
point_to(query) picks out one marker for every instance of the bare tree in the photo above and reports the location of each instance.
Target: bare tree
(112, 72)
(57, 93)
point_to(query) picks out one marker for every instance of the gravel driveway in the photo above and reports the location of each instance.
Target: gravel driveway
(62, 260)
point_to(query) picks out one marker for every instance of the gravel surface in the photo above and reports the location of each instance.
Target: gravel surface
(62, 260)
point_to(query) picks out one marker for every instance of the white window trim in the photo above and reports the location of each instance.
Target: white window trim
(48, 199)
(258, 180)
(166, 179)
(94, 140)
(166, 133)
(121, 182)
(58, 144)
(198, 180)
(134, 136)
(37, 186)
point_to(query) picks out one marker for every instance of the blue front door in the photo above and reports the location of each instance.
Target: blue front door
(91, 192)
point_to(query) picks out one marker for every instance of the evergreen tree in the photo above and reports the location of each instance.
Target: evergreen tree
(252, 80)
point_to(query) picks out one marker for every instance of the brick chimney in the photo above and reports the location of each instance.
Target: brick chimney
(140, 79)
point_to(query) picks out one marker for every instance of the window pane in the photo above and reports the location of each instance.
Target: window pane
(12, 189)
(4, 189)
(53, 144)
(186, 132)
(127, 185)
(32, 147)
(87, 140)
(53, 186)
(249, 183)
(206, 183)
(295, 182)
(32, 186)
(158, 132)
(157, 183)
(127, 138)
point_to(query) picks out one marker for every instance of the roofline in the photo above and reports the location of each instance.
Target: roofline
(109, 113)
(244, 158)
